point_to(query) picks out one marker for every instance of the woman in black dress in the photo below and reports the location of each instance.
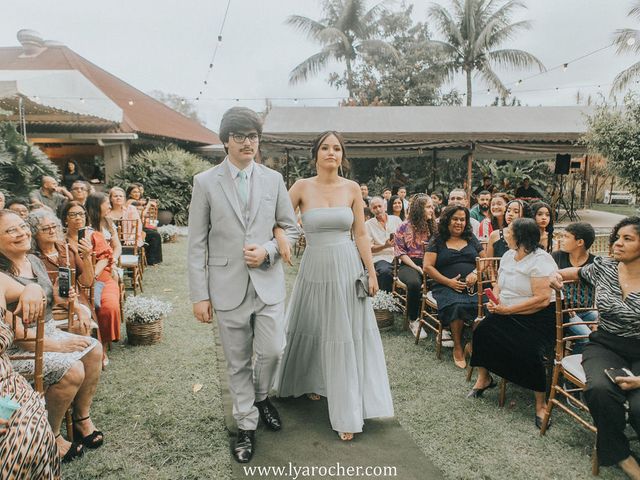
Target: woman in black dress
(450, 260)
(519, 331)
(71, 174)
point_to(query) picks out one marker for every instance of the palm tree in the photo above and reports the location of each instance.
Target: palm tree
(473, 32)
(347, 32)
(627, 40)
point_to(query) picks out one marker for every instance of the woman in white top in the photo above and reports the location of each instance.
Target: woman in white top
(519, 330)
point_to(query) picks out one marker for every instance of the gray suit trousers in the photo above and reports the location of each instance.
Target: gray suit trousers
(251, 329)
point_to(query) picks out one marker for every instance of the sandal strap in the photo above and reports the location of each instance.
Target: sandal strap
(82, 419)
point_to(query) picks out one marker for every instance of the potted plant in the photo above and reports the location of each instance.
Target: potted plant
(169, 233)
(384, 305)
(144, 319)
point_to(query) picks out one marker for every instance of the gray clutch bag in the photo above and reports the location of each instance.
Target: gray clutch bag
(362, 285)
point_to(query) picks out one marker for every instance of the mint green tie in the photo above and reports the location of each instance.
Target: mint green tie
(243, 190)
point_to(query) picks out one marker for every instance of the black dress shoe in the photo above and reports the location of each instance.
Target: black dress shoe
(477, 392)
(269, 414)
(245, 445)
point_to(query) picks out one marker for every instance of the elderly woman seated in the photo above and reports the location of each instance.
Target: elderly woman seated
(519, 330)
(55, 253)
(615, 345)
(450, 260)
(71, 362)
(27, 444)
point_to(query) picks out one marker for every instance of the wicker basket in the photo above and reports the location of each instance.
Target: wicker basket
(144, 333)
(384, 318)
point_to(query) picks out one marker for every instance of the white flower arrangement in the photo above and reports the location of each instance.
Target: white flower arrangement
(139, 309)
(385, 301)
(168, 232)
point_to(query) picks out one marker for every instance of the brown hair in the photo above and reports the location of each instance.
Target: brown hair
(315, 146)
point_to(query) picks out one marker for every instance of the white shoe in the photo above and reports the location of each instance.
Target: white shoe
(446, 339)
(414, 326)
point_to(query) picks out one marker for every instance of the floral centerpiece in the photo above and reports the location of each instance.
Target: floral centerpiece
(144, 319)
(169, 233)
(384, 305)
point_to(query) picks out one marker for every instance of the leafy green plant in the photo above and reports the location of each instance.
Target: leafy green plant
(167, 174)
(22, 165)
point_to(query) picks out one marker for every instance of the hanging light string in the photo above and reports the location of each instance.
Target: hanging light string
(562, 66)
(215, 52)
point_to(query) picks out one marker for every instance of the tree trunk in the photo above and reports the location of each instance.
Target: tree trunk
(468, 72)
(349, 78)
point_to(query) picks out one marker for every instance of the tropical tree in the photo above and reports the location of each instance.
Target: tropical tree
(347, 32)
(414, 78)
(474, 32)
(627, 40)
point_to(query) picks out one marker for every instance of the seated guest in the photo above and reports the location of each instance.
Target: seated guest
(410, 241)
(615, 344)
(71, 362)
(497, 245)
(575, 242)
(153, 249)
(80, 191)
(438, 199)
(402, 193)
(541, 213)
(486, 186)
(20, 206)
(495, 221)
(381, 231)
(107, 249)
(480, 210)
(519, 330)
(27, 444)
(386, 195)
(119, 211)
(50, 195)
(450, 260)
(458, 196)
(364, 189)
(54, 252)
(395, 208)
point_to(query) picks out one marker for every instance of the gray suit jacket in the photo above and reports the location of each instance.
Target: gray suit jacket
(218, 232)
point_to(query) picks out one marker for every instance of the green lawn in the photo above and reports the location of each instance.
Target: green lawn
(626, 210)
(156, 427)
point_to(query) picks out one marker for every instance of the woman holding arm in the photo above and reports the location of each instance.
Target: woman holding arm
(333, 344)
(519, 331)
(615, 344)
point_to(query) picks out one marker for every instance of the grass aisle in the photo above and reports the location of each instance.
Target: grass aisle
(157, 428)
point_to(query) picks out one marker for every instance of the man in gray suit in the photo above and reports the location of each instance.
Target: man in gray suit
(235, 268)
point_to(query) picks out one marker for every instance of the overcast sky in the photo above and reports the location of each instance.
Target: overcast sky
(167, 45)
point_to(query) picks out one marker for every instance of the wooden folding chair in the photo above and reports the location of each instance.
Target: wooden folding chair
(429, 315)
(576, 297)
(37, 378)
(399, 292)
(487, 274)
(300, 245)
(130, 262)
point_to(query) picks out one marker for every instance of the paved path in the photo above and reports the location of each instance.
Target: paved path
(597, 219)
(306, 440)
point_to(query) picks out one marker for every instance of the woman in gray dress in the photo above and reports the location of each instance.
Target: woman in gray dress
(333, 343)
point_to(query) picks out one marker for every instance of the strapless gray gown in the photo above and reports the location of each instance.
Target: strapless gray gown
(333, 343)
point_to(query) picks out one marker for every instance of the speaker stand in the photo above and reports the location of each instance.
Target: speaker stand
(569, 210)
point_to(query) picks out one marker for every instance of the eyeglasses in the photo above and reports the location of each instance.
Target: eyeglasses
(15, 232)
(78, 189)
(240, 137)
(75, 214)
(48, 229)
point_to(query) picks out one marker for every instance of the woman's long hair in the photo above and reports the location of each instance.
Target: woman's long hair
(494, 220)
(92, 206)
(390, 206)
(549, 229)
(445, 220)
(417, 219)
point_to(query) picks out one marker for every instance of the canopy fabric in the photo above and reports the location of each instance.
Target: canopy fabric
(492, 132)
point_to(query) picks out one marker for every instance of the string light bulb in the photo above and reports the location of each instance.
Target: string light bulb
(564, 67)
(219, 39)
(130, 102)
(631, 41)
(520, 82)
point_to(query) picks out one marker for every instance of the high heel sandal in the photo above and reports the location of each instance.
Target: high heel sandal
(94, 440)
(313, 396)
(345, 436)
(76, 450)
